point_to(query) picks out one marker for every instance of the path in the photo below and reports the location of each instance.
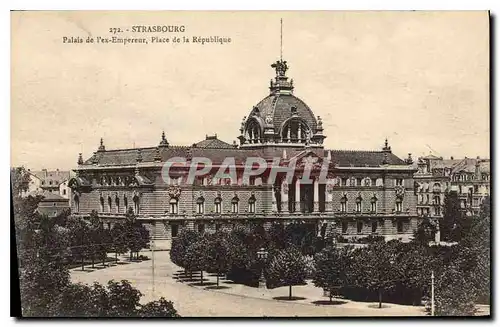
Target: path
(236, 301)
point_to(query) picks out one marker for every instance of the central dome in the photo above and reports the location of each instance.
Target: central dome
(281, 117)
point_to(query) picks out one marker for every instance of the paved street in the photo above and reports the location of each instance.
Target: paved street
(236, 300)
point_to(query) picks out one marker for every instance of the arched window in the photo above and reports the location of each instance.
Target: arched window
(117, 204)
(77, 203)
(174, 206)
(373, 204)
(251, 204)
(101, 202)
(234, 204)
(218, 204)
(253, 131)
(359, 201)
(295, 131)
(343, 204)
(109, 204)
(200, 205)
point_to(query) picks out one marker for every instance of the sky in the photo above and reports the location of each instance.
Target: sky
(420, 79)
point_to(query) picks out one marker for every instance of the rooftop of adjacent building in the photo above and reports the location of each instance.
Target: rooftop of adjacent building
(48, 196)
(454, 165)
(51, 177)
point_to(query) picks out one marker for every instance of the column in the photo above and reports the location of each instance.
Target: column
(299, 134)
(316, 194)
(273, 190)
(297, 195)
(284, 197)
(288, 134)
(328, 198)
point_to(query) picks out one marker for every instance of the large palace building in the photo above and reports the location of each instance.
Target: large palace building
(364, 193)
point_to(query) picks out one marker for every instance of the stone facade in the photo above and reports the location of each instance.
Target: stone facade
(364, 192)
(436, 176)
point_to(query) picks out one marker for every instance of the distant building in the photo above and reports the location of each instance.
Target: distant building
(52, 204)
(436, 176)
(51, 181)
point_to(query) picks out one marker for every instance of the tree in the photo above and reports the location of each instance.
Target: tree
(80, 236)
(41, 284)
(216, 256)
(331, 265)
(137, 235)
(180, 245)
(195, 256)
(118, 299)
(123, 299)
(118, 236)
(454, 294)
(425, 232)
(288, 268)
(160, 308)
(412, 271)
(451, 215)
(373, 268)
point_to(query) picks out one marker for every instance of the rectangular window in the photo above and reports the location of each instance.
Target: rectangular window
(344, 181)
(399, 206)
(399, 181)
(359, 227)
(359, 181)
(400, 226)
(175, 230)
(201, 228)
(174, 208)
(374, 226)
(344, 227)
(374, 182)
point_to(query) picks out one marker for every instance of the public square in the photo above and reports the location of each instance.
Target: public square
(192, 300)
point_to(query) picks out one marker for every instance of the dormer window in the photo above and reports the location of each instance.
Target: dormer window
(295, 130)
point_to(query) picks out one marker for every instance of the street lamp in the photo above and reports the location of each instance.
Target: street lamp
(262, 255)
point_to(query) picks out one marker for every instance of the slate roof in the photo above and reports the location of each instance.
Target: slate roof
(348, 158)
(342, 158)
(55, 176)
(48, 196)
(213, 142)
(279, 107)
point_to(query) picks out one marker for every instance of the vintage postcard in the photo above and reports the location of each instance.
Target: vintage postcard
(250, 163)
